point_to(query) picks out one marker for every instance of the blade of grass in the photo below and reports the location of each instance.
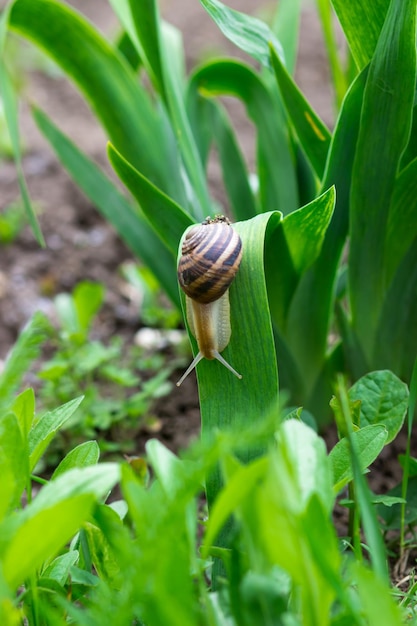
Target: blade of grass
(312, 132)
(412, 402)
(168, 219)
(362, 491)
(339, 80)
(8, 95)
(25, 350)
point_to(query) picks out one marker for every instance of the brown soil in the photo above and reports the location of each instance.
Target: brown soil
(81, 245)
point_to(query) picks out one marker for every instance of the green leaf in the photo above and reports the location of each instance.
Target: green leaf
(369, 442)
(376, 598)
(286, 25)
(10, 110)
(13, 462)
(312, 133)
(110, 85)
(246, 32)
(384, 400)
(238, 487)
(306, 334)
(83, 455)
(24, 409)
(362, 23)
(131, 224)
(88, 298)
(168, 219)
(392, 516)
(60, 567)
(60, 507)
(402, 225)
(277, 179)
(396, 336)
(23, 353)
(211, 123)
(383, 136)
(141, 24)
(46, 427)
(305, 229)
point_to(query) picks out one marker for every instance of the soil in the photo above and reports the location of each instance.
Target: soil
(81, 245)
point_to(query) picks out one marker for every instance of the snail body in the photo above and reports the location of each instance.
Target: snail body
(211, 255)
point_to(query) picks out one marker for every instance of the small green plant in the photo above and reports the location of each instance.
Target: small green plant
(12, 220)
(119, 384)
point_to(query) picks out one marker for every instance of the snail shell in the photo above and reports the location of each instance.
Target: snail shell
(211, 255)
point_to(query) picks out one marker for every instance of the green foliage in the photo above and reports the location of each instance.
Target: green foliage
(111, 378)
(140, 557)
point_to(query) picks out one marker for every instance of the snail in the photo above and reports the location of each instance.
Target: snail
(211, 255)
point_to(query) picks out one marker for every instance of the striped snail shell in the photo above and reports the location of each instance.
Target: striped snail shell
(210, 258)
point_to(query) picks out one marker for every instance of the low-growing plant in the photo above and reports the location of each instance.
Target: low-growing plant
(120, 383)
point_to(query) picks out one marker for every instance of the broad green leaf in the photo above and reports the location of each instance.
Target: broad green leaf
(362, 23)
(60, 567)
(83, 455)
(369, 442)
(13, 462)
(131, 224)
(301, 456)
(238, 487)
(305, 229)
(402, 225)
(60, 507)
(23, 353)
(88, 298)
(383, 136)
(121, 104)
(312, 133)
(277, 177)
(24, 409)
(167, 467)
(225, 401)
(247, 32)
(396, 336)
(168, 219)
(384, 400)
(46, 427)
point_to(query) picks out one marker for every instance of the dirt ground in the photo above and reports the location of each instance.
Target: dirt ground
(80, 244)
